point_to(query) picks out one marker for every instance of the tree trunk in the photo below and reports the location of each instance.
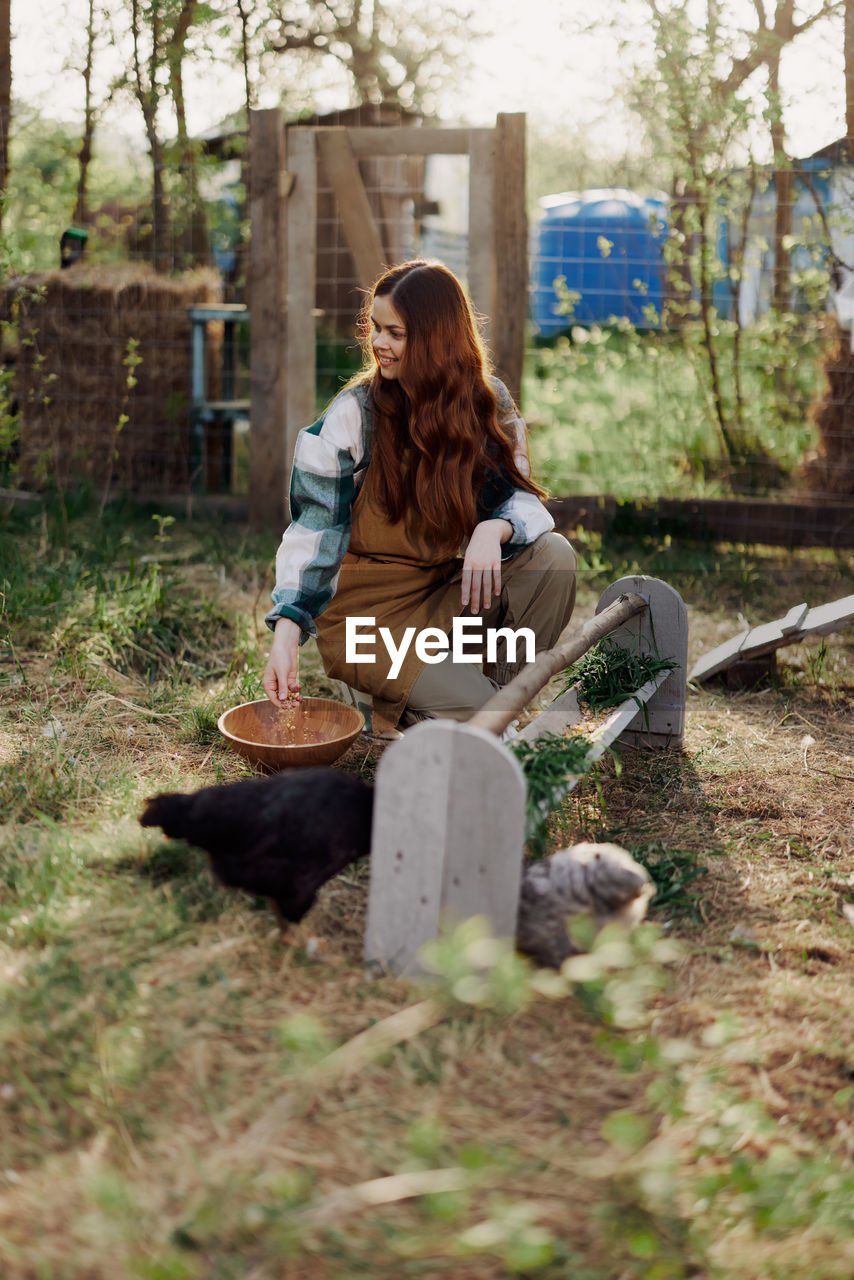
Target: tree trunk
(198, 245)
(5, 95)
(159, 213)
(783, 187)
(849, 78)
(147, 94)
(248, 87)
(84, 155)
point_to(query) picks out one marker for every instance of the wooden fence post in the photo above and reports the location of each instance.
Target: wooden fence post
(481, 264)
(511, 252)
(301, 242)
(267, 289)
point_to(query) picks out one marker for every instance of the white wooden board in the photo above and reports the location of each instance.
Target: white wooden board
(447, 841)
(826, 618)
(557, 717)
(796, 625)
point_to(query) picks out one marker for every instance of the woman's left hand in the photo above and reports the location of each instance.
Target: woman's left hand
(482, 563)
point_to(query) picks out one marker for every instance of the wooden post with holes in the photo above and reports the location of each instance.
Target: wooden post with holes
(447, 840)
(662, 630)
(510, 252)
(267, 289)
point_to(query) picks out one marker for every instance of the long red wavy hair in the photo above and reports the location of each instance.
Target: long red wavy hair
(437, 438)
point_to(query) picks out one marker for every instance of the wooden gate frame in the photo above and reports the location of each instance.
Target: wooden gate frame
(283, 255)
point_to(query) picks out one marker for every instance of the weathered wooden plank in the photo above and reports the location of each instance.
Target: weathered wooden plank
(447, 840)
(558, 716)
(511, 251)
(825, 618)
(661, 630)
(481, 264)
(354, 208)
(794, 618)
(301, 215)
(770, 635)
(564, 712)
(621, 718)
(796, 625)
(267, 290)
(402, 141)
(719, 658)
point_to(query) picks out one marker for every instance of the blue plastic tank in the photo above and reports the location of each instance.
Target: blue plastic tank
(607, 244)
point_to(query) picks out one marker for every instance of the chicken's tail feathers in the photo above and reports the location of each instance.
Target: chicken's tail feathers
(170, 811)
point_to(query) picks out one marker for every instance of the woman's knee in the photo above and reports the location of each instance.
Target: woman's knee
(449, 691)
(552, 551)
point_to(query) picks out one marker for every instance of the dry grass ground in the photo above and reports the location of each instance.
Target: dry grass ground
(168, 1105)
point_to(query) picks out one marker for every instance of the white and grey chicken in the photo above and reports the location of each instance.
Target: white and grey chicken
(602, 880)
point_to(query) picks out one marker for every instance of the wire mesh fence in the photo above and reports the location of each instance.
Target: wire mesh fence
(644, 378)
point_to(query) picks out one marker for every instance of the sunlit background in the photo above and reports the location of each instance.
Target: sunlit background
(565, 63)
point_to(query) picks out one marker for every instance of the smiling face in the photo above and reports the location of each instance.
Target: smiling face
(388, 336)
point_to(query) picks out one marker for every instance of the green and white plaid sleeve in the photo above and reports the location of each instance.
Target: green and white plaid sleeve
(322, 489)
(522, 510)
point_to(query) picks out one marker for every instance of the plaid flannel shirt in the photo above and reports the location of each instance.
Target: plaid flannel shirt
(330, 460)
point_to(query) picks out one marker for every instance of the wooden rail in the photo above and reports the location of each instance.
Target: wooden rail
(797, 522)
(501, 710)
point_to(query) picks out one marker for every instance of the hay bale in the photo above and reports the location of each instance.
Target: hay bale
(74, 329)
(828, 470)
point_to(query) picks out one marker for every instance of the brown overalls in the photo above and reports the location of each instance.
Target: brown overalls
(389, 573)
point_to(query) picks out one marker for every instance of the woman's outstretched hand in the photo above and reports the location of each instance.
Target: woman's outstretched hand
(281, 677)
(482, 563)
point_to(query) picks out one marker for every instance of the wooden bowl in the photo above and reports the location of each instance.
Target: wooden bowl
(314, 731)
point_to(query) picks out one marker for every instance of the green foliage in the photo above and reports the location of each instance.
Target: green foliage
(42, 189)
(693, 102)
(673, 871)
(549, 764)
(57, 1094)
(624, 412)
(190, 889)
(49, 782)
(608, 674)
(101, 603)
(474, 968)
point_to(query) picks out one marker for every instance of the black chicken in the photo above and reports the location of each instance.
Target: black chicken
(282, 837)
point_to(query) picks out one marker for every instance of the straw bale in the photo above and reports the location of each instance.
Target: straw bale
(828, 470)
(71, 381)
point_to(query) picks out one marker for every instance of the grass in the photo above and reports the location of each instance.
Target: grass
(609, 673)
(171, 1102)
(615, 411)
(548, 765)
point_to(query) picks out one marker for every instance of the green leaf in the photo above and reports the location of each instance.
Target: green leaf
(627, 1130)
